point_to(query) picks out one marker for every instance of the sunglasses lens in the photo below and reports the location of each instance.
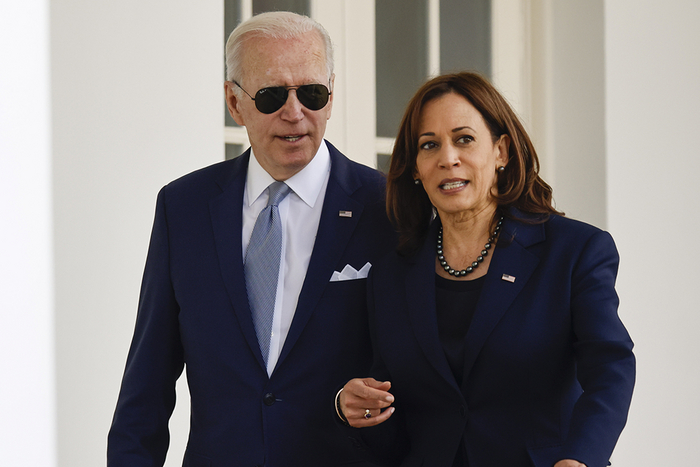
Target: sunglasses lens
(311, 96)
(270, 100)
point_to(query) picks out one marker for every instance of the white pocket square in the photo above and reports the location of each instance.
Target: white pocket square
(349, 273)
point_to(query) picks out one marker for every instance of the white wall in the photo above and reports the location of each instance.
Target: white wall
(652, 70)
(27, 387)
(137, 102)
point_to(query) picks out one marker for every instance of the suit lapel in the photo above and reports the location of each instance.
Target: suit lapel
(496, 297)
(498, 294)
(420, 294)
(226, 213)
(334, 233)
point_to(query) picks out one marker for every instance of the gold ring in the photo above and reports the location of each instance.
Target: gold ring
(368, 414)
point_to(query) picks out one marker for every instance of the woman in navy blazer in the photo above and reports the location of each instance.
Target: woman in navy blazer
(495, 329)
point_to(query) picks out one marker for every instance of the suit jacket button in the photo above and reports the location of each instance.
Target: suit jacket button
(269, 399)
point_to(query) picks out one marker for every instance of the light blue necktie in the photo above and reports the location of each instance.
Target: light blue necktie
(262, 265)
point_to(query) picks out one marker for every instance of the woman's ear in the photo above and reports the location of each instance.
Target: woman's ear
(416, 176)
(503, 147)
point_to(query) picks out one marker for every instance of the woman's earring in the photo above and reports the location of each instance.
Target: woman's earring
(416, 181)
(501, 169)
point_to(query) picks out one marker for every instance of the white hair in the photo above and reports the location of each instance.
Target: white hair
(273, 25)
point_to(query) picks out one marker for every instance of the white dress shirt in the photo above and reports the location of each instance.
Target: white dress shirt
(300, 214)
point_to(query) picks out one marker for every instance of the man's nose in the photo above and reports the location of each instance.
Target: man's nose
(292, 110)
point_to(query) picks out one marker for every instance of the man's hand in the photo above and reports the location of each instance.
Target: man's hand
(363, 400)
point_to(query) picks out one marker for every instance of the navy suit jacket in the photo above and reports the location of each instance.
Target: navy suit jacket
(194, 312)
(549, 368)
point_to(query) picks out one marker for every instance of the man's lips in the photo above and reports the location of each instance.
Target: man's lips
(292, 138)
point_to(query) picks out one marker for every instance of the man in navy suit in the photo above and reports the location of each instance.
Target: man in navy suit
(258, 400)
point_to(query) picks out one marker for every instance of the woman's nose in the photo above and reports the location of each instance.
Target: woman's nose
(449, 157)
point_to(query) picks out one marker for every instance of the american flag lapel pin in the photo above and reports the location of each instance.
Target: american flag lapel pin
(508, 277)
(345, 213)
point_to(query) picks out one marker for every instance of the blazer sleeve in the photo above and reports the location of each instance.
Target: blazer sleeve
(139, 435)
(604, 358)
(386, 443)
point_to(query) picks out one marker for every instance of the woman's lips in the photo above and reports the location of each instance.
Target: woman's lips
(452, 185)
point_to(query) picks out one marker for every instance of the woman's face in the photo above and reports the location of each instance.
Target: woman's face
(457, 159)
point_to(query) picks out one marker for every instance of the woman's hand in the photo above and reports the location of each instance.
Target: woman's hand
(569, 463)
(363, 399)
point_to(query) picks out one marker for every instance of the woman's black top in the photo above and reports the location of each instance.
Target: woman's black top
(455, 304)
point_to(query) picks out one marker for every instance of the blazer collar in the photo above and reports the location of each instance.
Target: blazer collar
(420, 295)
(510, 270)
(334, 232)
(226, 212)
(511, 258)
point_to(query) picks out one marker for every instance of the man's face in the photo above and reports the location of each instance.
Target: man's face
(285, 141)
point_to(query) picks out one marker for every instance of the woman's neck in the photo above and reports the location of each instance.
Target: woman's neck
(466, 225)
(464, 235)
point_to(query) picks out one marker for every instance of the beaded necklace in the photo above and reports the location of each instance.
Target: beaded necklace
(479, 259)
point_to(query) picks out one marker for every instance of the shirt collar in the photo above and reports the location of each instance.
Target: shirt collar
(307, 183)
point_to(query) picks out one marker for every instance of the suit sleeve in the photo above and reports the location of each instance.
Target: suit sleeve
(387, 442)
(604, 358)
(139, 434)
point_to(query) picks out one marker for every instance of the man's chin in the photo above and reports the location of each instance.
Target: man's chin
(292, 165)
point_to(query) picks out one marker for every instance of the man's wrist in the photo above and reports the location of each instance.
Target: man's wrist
(338, 410)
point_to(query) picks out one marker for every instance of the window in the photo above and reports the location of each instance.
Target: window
(385, 49)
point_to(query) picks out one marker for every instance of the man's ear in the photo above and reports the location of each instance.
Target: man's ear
(232, 103)
(330, 98)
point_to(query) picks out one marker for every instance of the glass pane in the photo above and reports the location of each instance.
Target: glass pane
(465, 36)
(383, 161)
(233, 151)
(402, 58)
(297, 6)
(232, 16)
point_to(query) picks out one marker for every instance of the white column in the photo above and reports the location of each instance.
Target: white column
(138, 101)
(652, 69)
(352, 127)
(433, 13)
(27, 378)
(548, 60)
(510, 53)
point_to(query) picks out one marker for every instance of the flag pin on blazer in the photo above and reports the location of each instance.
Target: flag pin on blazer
(345, 213)
(508, 277)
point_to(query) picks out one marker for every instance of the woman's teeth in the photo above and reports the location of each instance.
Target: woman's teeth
(453, 185)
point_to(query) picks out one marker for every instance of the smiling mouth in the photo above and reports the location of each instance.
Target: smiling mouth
(453, 185)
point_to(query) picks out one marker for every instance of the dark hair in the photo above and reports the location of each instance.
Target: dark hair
(519, 186)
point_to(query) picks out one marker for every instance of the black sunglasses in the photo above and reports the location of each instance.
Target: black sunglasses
(270, 100)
